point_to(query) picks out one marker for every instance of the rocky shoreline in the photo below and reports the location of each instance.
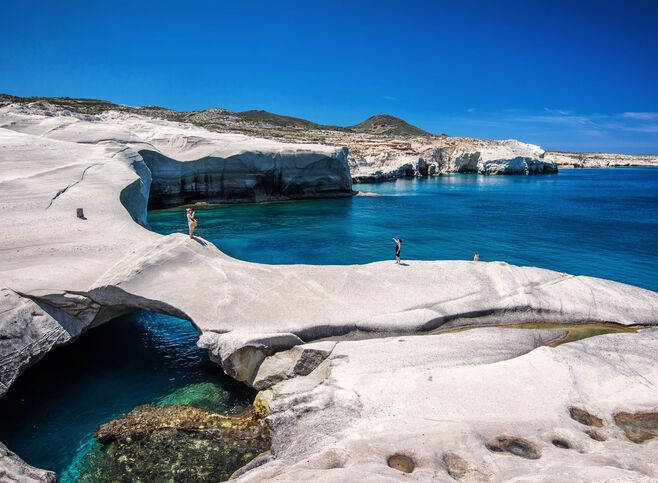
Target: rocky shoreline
(602, 160)
(382, 148)
(397, 401)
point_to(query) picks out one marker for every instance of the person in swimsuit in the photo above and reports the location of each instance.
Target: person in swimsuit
(191, 221)
(398, 246)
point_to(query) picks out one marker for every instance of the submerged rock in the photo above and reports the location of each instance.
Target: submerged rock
(175, 443)
(204, 395)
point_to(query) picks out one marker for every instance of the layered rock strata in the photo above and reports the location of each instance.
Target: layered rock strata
(376, 152)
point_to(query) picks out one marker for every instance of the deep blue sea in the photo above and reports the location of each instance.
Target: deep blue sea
(601, 222)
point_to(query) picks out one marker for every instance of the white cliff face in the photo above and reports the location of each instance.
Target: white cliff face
(372, 157)
(348, 404)
(432, 156)
(190, 164)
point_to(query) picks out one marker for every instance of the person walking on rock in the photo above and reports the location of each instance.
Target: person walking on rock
(398, 246)
(191, 221)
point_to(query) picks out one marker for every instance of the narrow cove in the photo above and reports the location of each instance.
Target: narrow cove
(143, 358)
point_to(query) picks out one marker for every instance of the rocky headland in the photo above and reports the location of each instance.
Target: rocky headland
(381, 148)
(602, 160)
(364, 371)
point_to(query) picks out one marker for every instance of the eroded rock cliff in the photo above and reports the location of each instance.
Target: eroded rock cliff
(188, 164)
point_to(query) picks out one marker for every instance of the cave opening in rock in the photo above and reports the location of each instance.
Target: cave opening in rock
(52, 410)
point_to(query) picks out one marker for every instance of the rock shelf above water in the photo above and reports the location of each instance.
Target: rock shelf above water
(339, 409)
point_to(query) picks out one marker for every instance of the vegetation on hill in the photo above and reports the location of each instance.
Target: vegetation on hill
(382, 124)
(385, 124)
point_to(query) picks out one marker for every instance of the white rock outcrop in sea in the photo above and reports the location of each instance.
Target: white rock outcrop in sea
(602, 160)
(281, 325)
(433, 156)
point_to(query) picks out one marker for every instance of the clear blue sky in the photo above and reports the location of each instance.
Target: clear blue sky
(564, 74)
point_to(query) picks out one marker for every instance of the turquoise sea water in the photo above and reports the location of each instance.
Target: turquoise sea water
(599, 222)
(594, 222)
(50, 413)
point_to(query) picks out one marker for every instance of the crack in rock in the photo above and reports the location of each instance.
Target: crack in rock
(64, 190)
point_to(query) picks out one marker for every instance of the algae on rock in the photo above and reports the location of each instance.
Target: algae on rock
(175, 443)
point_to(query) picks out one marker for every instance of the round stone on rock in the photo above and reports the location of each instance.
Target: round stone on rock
(401, 462)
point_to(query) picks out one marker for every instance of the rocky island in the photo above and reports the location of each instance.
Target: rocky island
(472, 372)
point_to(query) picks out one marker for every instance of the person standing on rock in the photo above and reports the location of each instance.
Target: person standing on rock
(398, 246)
(191, 221)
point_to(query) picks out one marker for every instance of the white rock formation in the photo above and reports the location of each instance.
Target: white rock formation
(61, 275)
(189, 163)
(15, 470)
(431, 156)
(479, 405)
(602, 160)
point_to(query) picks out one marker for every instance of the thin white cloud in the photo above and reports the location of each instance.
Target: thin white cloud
(641, 116)
(559, 112)
(618, 126)
(634, 131)
(626, 121)
(390, 98)
(556, 119)
(471, 109)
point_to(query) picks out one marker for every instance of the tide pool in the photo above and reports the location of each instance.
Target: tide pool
(597, 222)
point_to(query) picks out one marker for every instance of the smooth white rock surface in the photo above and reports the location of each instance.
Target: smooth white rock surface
(428, 396)
(189, 163)
(93, 269)
(76, 273)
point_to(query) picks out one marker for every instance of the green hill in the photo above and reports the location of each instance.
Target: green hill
(388, 125)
